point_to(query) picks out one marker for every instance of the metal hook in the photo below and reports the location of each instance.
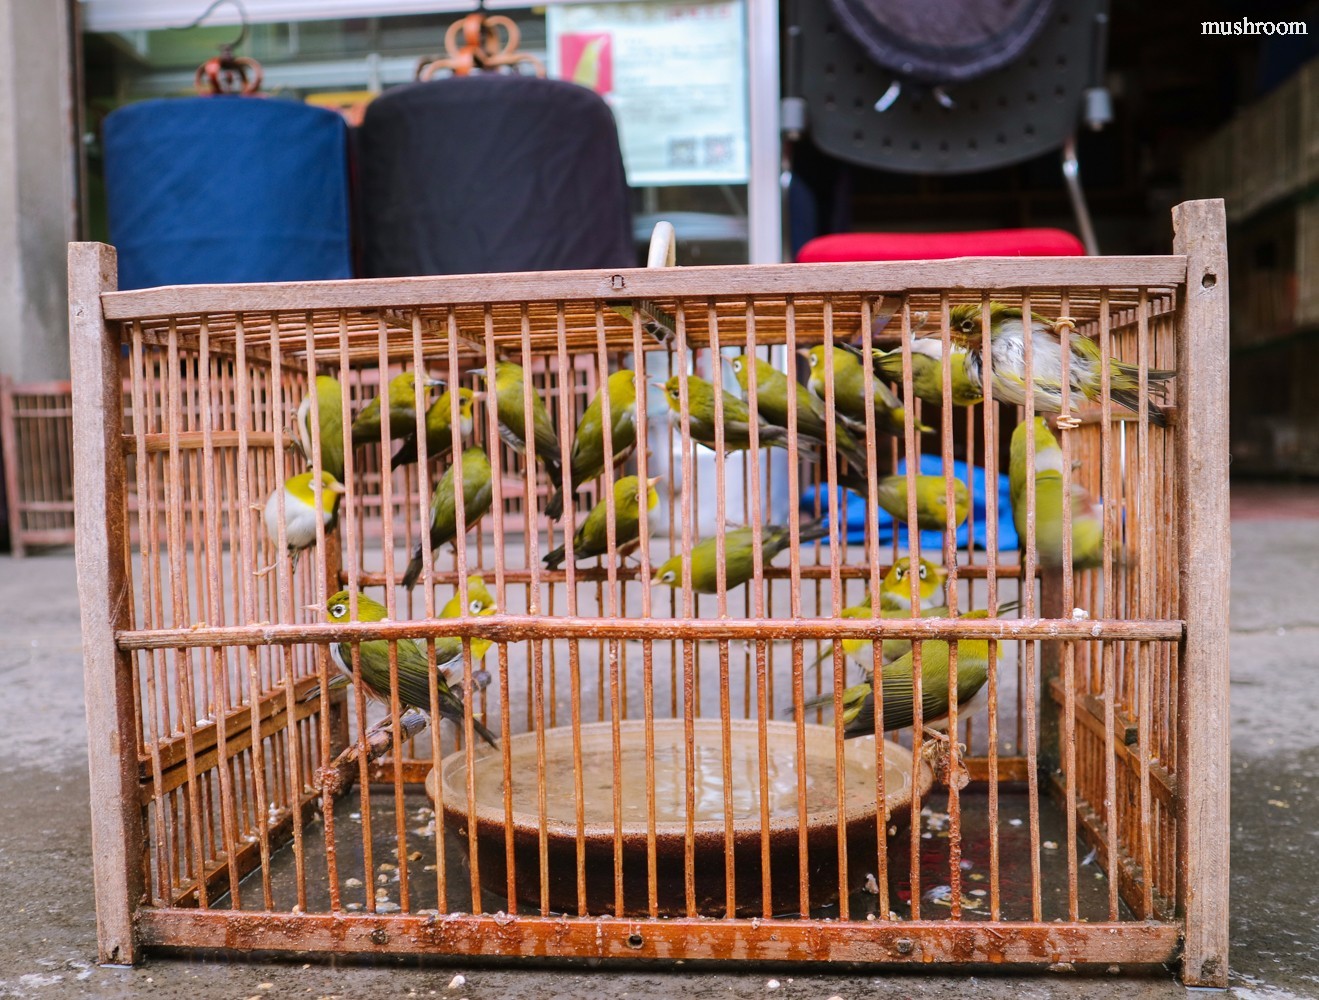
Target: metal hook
(243, 21)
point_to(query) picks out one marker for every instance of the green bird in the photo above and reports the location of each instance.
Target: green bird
(1007, 333)
(508, 387)
(413, 664)
(591, 538)
(402, 410)
(301, 514)
(1087, 516)
(587, 460)
(772, 405)
(439, 424)
(329, 405)
(931, 501)
(927, 371)
(850, 393)
(896, 681)
(739, 556)
(894, 602)
(478, 599)
(477, 495)
(737, 418)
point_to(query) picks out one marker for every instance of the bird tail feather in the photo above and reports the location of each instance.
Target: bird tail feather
(413, 573)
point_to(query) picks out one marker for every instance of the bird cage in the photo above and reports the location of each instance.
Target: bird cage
(684, 761)
(36, 442)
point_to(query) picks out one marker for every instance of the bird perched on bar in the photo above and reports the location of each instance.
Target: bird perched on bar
(402, 393)
(1087, 516)
(1007, 333)
(896, 684)
(329, 416)
(592, 539)
(413, 663)
(439, 427)
(301, 514)
(739, 556)
(894, 602)
(737, 418)
(509, 379)
(772, 405)
(850, 393)
(478, 599)
(477, 495)
(587, 460)
(927, 371)
(931, 501)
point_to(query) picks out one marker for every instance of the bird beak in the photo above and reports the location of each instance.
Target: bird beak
(336, 487)
(436, 383)
(653, 480)
(480, 372)
(478, 395)
(311, 607)
(656, 385)
(804, 354)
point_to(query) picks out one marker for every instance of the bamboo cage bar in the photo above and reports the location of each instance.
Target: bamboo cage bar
(690, 775)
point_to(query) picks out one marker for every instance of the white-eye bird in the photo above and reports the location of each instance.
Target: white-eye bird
(301, 514)
(439, 427)
(736, 416)
(587, 459)
(329, 406)
(772, 405)
(1087, 516)
(508, 386)
(413, 663)
(478, 493)
(894, 602)
(402, 393)
(592, 537)
(927, 371)
(898, 687)
(478, 599)
(931, 501)
(850, 393)
(739, 556)
(1007, 334)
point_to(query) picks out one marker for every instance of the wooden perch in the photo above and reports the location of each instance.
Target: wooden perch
(334, 780)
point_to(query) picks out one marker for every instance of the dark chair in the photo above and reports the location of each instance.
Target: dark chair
(947, 87)
(487, 173)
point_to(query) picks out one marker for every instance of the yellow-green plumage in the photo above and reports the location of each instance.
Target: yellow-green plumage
(931, 501)
(511, 411)
(439, 428)
(329, 406)
(737, 418)
(739, 556)
(587, 460)
(894, 602)
(478, 599)
(1084, 365)
(413, 662)
(927, 372)
(772, 405)
(592, 537)
(1087, 516)
(850, 392)
(402, 394)
(301, 514)
(477, 495)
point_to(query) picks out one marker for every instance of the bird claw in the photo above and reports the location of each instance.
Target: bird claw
(1068, 422)
(265, 570)
(938, 754)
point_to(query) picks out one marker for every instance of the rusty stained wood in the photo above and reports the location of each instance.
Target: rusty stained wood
(682, 938)
(104, 598)
(196, 440)
(626, 284)
(521, 628)
(1203, 765)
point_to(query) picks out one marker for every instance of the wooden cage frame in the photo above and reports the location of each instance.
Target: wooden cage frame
(1194, 927)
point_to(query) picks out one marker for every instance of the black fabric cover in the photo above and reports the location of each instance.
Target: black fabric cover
(490, 173)
(943, 41)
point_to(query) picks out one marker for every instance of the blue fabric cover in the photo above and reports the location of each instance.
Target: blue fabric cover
(227, 189)
(931, 541)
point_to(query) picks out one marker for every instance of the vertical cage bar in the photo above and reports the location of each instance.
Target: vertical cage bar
(103, 582)
(1203, 765)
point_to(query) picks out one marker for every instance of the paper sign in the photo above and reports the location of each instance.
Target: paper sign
(675, 76)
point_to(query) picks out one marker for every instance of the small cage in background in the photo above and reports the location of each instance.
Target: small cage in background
(36, 440)
(682, 761)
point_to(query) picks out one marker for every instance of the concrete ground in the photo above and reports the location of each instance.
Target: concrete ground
(47, 938)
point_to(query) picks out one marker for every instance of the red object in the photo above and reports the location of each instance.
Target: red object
(844, 247)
